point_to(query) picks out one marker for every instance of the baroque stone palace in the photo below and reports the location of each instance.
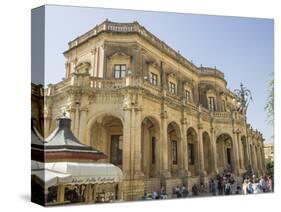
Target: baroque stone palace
(160, 118)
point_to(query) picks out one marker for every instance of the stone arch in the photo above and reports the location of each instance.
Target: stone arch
(150, 139)
(192, 151)
(225, 152)
(106, 135)
(91, 121)
(153, 117)
(207, 151)
(174, 143)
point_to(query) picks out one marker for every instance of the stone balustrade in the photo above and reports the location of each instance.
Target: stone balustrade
(106, 84)
(114, 84)
(211, 72)
(225, 115)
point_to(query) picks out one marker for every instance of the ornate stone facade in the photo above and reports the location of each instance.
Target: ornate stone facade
(269, 152)
(156, 115)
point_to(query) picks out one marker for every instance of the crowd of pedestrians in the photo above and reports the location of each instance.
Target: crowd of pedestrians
(222, 184)
(180, 191)
(155, 195)
(225, 184)
(257, 185)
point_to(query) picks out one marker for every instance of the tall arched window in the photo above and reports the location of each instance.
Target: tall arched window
(211, 98)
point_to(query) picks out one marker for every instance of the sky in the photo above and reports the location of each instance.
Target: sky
(242, 48)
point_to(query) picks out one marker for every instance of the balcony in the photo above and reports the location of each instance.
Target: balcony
(101, 84)
(106, 84)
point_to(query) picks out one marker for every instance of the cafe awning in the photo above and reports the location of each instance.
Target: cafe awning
(47, 178)
(76, 173)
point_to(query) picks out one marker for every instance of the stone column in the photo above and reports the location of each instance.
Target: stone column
(222, 146)
(71, 112)
(236, 153)
(93, 193)
(258, 159)
(132, 142)
(163, 77)
(93, 62)
(88, 193)
(255, 158)
(263, 159)
(260, 156)
(76, 122)
(214, 148)
(82, 125)
(60, 194)
(137, 144)
(146, 140)
(136, 60)
(184, 152)
(96, 62)
(240, 150)
(249, 154)
(201, 151)
(164, 147)
(126, 162)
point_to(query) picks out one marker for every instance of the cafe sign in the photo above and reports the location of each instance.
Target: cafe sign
(91, 180)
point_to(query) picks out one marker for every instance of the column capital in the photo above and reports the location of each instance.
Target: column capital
(138, 109)
(184, 121)
(236, 131)
(85, 109)
(164, 115)
(200, 126)
(127, 109)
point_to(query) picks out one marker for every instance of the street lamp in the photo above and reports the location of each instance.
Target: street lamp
(243, 97)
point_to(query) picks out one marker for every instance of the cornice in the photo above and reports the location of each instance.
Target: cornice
(136, 28)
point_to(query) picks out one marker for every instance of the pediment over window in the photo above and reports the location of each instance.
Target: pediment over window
(172, 75)
(119, 54)
(83, 67)
(211, 92)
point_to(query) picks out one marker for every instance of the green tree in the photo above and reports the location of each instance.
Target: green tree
(270, 167)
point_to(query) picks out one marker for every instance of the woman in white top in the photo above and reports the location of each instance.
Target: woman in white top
(245, 186)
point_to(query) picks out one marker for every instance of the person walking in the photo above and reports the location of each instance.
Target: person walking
(270, 184)
(262, 184)
(245, 187)
(250, 187)
(213, 189)
(227, 189)
(220, 186)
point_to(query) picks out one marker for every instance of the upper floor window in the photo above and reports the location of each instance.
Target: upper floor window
(211, 103)
(172, 87)
(153, 78)
(187, 95)
(119, 71)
